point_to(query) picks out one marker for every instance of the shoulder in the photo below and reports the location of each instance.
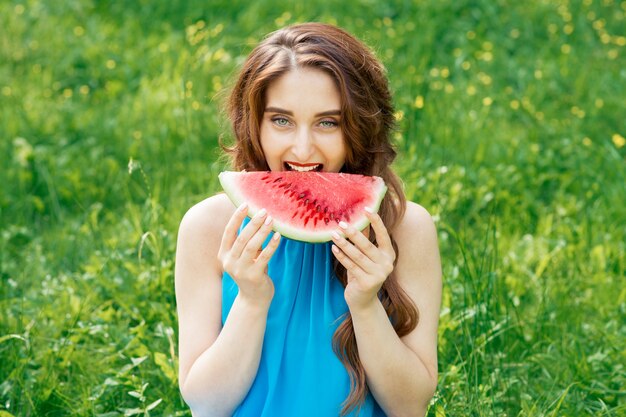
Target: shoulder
(418, 247)
(208, 216)
(416, 227)
(201, 230)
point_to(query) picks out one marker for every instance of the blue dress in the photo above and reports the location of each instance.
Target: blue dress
(299, 373)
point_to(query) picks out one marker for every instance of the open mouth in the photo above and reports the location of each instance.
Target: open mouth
(290, 166)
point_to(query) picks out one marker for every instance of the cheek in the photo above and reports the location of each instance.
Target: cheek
(263, 135)
(340, 149)
(265, 138)
(336, 152)
(272, 149)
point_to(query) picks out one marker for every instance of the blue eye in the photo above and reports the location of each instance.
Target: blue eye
(280, 121)
(328, 123)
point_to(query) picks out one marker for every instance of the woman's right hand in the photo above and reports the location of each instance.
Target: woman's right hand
(240, 257)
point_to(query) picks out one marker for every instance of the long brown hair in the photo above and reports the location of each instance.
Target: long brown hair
(367, 121)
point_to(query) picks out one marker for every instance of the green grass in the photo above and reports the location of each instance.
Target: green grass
(511, 133)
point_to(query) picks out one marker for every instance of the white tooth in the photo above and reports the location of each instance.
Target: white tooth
(302, 169)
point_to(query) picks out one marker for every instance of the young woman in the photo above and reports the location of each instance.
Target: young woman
(270, 326)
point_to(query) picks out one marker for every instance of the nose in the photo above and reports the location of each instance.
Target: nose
(303, 145)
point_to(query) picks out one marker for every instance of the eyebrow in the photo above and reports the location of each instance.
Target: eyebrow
(290, 113)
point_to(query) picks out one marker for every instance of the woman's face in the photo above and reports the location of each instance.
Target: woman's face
(300, 129)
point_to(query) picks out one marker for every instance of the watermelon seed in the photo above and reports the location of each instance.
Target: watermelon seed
(318, 208)
(278, 179)
(326, 220)
(302, 195)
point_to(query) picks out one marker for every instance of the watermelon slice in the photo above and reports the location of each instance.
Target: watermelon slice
(306, 206)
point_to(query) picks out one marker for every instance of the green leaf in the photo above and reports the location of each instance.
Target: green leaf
(165, 365)
(12, 336)
(154, 404)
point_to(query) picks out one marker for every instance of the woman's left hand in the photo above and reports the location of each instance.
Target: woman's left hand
(368, 265)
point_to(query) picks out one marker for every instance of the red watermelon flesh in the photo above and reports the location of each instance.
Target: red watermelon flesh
(306, 206)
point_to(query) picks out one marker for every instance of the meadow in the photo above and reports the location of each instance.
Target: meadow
(511, 133)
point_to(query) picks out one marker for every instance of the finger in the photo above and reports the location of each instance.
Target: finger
(247, 232)
(254, 245)
(266, 254)
(353, 253)
(360, 241)
(230, 231)
(382, 235)
(344, 260)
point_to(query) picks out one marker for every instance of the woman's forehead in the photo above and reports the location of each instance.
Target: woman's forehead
(307, 89)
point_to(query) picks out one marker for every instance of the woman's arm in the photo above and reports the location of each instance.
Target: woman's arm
(401, 372)
(218, 365)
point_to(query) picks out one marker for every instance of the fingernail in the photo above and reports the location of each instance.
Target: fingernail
(268, 220)
(243, 206)
(276, 236)
(369, 210)
(261, 213)
(335, 235)
(343, 225)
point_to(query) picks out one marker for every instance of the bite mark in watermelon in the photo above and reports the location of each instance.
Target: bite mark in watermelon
(306, 206)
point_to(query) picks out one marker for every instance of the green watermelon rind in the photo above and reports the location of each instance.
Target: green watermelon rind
(227, 178)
